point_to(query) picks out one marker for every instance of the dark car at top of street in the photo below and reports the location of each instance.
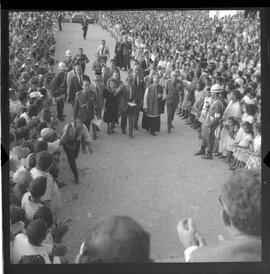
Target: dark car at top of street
(79, 17)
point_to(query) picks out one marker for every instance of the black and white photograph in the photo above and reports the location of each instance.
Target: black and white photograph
(135, 136)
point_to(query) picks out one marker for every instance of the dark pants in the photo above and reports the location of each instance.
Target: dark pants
(60, 27)
(72, 154)
(171, 108)
(126, 62)
(209, 138)
(94, 127)
(60, 108)
(136, 118)
(130, 116)
(84, 33)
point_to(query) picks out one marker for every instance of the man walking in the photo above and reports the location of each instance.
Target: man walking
(60, 19)
(81, 59)
(103, 51)
(84, 28)
(59, 90)
(173, 88)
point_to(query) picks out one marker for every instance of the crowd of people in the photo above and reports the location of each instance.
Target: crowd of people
(206, 70)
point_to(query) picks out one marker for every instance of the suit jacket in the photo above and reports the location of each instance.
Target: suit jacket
(173, 91)
(125, 97)
(144, 66)
(75, 86)
(246, 249)
(59, 84)
(126, 48)
(147, 81)
(99, 91)
(139, 85)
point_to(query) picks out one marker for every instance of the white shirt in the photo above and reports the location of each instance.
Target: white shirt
(29, 207)
(22, 247)
(52, 193)
(106, 51)
(26, 117)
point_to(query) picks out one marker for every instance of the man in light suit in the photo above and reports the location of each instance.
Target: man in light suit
(240, 201)
(76, 84)
(173, 88)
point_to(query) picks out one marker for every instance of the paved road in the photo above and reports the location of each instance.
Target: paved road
(155, 180)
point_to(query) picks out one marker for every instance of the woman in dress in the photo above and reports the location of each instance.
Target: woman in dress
(254, 159)
(110, 105)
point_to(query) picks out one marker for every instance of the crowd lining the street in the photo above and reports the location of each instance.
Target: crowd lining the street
(205, 70)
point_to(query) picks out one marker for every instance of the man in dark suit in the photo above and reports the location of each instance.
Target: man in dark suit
(145, 64)
(76, 84)
(139, 85)
(241, 214)
(128, 96)
(59, 89)
(127, 50)
(60, 19)
(173, 88)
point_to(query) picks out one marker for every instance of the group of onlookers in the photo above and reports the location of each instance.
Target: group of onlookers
(212, 80)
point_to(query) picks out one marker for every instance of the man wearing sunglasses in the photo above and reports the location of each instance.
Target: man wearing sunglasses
(240, 201)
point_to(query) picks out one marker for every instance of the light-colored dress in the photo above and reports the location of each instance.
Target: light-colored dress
(254, 162)
(241, 153)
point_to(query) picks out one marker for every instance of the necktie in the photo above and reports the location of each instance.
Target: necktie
(102, 51)
(97, 89)
(138, 81)
(80, 79)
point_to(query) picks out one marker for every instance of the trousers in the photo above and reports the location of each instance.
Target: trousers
(209, 138)
(60, 108)
(72, 154)
(171, 108)
(126, 115)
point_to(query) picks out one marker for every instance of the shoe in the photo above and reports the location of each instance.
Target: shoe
(112, 130)
(94, 137)
(200, 137)
(76, 180)
(153, 133)
(136, 127)
(123, 131)
(207, 157)
(61, 184)
(200, 152)
(169, 131)
(64, 115)
(233, 168)
(172, 126)
(197, 126)
(131, 136)
(61, 119)
(216, 154)
(221, 156)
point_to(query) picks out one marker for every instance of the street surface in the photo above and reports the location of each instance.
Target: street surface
(155, 180)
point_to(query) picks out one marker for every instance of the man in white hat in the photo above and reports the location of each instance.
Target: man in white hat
(59, 89)
(212, 121)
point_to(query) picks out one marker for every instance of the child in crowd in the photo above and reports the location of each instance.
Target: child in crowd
(254, 159)
(31, 200)
(242, 146)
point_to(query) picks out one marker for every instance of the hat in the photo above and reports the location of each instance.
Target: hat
(68, 53)
(46, 133)
(35, 94)
(216, 88)
(61, 65)
(239, 81)
(145, 51)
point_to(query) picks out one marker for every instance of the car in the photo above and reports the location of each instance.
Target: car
(79, 17)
